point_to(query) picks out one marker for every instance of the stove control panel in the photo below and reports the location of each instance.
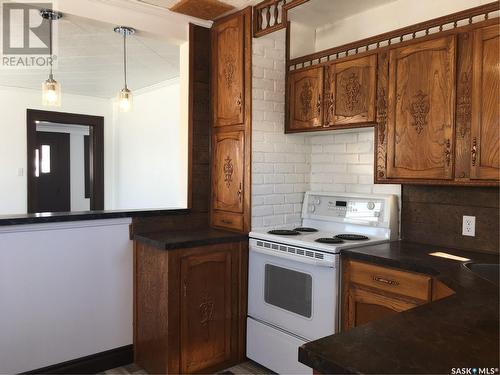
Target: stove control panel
(346, 208)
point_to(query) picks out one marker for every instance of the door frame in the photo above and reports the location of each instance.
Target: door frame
(96, 159)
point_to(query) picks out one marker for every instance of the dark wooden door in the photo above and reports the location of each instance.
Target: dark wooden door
(206, 310)
(421, 107)
(53, 186)
(228, 171)
(305, 99)
(228, 49)
(350, 89)
(485, 126)
(364, 306)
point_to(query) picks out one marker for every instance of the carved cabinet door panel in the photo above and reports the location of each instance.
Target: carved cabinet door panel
(228, 171)
(305, 99)
(228, 54)
(206, 310)
(350, 91)
(421, 108)
(485, 105)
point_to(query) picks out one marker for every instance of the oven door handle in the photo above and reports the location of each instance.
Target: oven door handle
(295, 258)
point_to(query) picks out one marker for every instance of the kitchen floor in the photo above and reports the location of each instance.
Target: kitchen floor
(241, 369)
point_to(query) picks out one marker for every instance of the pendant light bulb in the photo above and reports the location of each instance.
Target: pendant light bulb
(125, 100)
(51, 93)
(51, 89)
(125, 97)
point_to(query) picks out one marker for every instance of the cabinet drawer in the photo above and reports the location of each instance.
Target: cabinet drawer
(391, 280)
(227, 220)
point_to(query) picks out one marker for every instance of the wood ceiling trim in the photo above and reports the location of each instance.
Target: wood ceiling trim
(204, 9)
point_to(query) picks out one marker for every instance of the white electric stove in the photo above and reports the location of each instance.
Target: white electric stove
(294, 273)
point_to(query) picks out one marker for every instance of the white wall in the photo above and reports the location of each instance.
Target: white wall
(65, 292)
(13, 105)
(149, 144)
(385, 18)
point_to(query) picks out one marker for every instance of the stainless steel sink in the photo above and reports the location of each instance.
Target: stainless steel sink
(489, 272)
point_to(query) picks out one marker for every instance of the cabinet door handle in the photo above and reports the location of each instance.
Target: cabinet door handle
(329, 108)
(240, 192)
(447, 152)
(318, 105)
(474, 152)
(239, 102)
(227, 222)
(185, 287)
(383, 280)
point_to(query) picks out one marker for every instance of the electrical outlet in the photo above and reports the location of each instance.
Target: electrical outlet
(469, 226)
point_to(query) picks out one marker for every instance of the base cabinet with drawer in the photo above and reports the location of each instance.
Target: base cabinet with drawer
(372, 292)
(190, 308)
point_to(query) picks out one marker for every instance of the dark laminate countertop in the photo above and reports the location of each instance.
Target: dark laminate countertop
(57, 217)
(459, 331)
(185, 239)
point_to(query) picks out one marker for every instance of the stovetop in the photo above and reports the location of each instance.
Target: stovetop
(308, 240)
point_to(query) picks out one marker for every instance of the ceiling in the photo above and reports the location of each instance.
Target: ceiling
(90, 60)
(317, 13)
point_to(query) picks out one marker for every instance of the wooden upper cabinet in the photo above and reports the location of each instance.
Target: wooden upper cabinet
(228, 53)
(228, 171)
(305, 99)
(350, 91)
(485, 105)
(206, 310)
(421, 108)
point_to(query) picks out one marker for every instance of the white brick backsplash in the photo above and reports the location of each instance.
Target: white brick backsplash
(283, 209)
(262, 189)
(346, 138)
(273, 221)
(359, 147)
(285, 166)
(262, 62)
(274, 199)
(283, 188)
(346, 158)
(335, 148)
(262, 210)
(360, 168)
(274, 178)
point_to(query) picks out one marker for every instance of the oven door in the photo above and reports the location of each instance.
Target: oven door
(294, 293)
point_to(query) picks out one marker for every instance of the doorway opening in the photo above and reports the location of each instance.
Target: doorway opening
(65, 169)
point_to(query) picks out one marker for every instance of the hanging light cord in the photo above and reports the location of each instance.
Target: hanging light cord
(50, 47)
(125, 57)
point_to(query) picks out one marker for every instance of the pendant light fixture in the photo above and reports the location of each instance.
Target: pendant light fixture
(125, 98)
(51, 89)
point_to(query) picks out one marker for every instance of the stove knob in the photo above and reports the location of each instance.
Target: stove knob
(312, 208)
(317, 201)
(371, 205)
